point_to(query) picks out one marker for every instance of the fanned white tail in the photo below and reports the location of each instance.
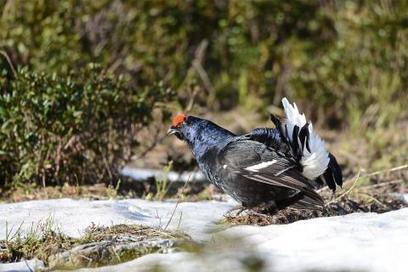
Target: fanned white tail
(316, 160)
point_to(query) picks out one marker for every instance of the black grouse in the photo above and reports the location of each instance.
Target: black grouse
(268, 167)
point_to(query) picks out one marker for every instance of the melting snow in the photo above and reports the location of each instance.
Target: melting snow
(356, 242)
(144, 174)
(74, 216)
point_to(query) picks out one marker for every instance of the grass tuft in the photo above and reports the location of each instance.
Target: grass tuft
(98, 246)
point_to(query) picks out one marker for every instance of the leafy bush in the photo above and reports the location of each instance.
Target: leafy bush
(344, 61)
(345, 56)
(74, 129)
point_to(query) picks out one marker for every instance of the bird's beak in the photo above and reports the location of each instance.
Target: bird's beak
(172, 131)
(175, 131)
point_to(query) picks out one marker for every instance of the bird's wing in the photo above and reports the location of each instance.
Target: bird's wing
(259, 163)
(294, 146)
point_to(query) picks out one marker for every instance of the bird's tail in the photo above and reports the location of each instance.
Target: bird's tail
(317, 163)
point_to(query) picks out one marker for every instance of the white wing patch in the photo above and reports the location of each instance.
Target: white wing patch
(314, 162)
(259, 166)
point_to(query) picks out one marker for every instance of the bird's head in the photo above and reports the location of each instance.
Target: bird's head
(187, 128)
(178, 126)
(195, 130)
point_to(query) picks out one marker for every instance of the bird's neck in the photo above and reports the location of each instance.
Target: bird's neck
(208, 140)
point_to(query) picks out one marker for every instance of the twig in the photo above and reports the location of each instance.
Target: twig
(10, 63)
(374, 199)
(179, 222)
(106, 163)
(383, 184)
(191, 101)
(172, 215)
(348, 191)
(401, 167)
(204, 76)
(178, 202)
(197, 67)
(28, 266)
(9, 235)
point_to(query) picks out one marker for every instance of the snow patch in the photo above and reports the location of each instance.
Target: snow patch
(74, 216)
(360, 241)
(141, 174)
(357, 242)
(24, 266)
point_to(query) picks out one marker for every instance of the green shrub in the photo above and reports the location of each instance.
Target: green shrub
(78, 128)
(345, 62)
(348, 57)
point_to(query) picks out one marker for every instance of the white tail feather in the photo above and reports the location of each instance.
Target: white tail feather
(314, 162)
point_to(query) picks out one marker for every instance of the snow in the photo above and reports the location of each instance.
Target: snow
(368, 242)
(141, 174)
(356, 242)
(24, 266)
(74, 216)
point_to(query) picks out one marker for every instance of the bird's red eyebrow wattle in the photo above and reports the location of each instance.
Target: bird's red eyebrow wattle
(178, 119)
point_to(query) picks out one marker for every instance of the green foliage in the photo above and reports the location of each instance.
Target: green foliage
(363, 74)
(162, 185)
(76, 129)
(346, 58)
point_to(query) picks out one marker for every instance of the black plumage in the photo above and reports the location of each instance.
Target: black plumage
(262, 168)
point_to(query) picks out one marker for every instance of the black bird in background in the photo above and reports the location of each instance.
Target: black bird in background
(269, 167)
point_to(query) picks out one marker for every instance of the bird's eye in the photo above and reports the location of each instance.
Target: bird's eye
(179, 135)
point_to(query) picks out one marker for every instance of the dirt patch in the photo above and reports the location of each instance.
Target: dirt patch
(344, 205)
(35, 192)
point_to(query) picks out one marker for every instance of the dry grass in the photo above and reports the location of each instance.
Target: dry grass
(40, 241)
(98, 246)
(35, 192)
(343, 206)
